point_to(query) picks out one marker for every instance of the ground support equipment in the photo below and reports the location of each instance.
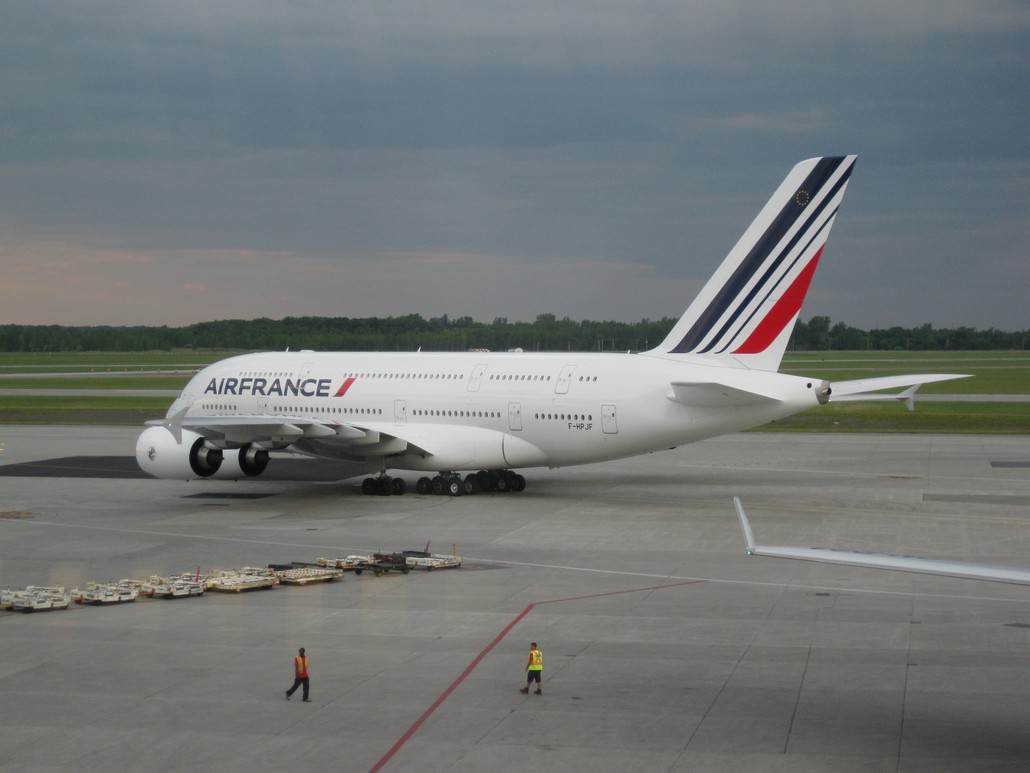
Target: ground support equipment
(297, 573)
(245, 579)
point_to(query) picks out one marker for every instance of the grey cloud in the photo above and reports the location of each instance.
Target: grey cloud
(611, 133)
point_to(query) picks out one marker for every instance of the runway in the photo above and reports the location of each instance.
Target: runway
(666, 648)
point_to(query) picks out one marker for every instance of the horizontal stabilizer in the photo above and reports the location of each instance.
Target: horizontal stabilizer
(961, 569)
(710, 394)
(865, 389)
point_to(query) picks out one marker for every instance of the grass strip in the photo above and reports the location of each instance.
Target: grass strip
(82, 410)
(944, 417)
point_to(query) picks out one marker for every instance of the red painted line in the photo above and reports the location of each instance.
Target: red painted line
(620, 592)
(446, 693)
(486, 651)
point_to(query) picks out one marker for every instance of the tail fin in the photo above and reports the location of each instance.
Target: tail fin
(746, 312)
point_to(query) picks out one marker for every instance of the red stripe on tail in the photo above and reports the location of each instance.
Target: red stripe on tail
(782, 313)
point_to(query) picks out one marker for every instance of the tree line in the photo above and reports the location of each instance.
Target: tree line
(411, 332)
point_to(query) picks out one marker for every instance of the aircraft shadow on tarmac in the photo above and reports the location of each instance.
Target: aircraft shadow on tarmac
(125, 467)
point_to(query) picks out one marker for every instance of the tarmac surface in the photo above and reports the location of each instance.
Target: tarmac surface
(666, 648)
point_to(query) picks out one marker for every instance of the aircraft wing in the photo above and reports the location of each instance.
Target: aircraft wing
(711, 394)
(989, 572)
(278, 431)
(868, 388)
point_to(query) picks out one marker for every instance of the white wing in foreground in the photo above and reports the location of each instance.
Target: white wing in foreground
(989, 572)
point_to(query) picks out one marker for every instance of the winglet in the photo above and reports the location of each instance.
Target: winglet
(907, 398)
(745, 526)
(172, 423)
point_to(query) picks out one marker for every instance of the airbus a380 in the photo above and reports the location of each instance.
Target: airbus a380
(489, 414)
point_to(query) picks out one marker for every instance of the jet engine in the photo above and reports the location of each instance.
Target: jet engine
(250, 460)
(158, 454)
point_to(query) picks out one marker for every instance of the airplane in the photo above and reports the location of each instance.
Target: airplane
(490, 414)
(970, 571)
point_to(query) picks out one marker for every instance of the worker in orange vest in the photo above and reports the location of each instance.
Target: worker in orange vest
(534, 669)
(300, 675)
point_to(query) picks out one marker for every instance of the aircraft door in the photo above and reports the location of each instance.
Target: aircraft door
(564, 379)
(609, 425)
(476, 378)
(400, 411)
(515, 416)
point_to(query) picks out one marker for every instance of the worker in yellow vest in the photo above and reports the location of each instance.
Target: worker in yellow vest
(534, 669)
(300, 675)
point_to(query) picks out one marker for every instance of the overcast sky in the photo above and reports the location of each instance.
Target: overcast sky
(176, 162)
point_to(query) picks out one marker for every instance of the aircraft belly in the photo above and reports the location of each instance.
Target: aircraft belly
(326, 450)
(638, 433)
(521, 453)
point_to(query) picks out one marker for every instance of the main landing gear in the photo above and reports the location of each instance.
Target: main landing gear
(383, 486)
(454, 485)
(449, 483)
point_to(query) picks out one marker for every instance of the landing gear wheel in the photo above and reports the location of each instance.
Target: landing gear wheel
(383, 487)
(455, 487)
(368, 486)
(518, 483)
(439, 484)
(398, 486)
(424, 485)
(471, 484)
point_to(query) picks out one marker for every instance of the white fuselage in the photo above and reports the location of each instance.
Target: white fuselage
(487, 410)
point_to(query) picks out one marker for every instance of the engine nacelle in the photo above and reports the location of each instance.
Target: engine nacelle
(246, 462)
(158, 454)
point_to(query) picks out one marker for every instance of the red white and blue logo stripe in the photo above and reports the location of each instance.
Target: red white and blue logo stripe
(758, 291)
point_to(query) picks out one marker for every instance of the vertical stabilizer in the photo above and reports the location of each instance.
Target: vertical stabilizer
(747, 310)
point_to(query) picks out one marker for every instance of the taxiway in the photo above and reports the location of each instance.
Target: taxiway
(666, 648)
